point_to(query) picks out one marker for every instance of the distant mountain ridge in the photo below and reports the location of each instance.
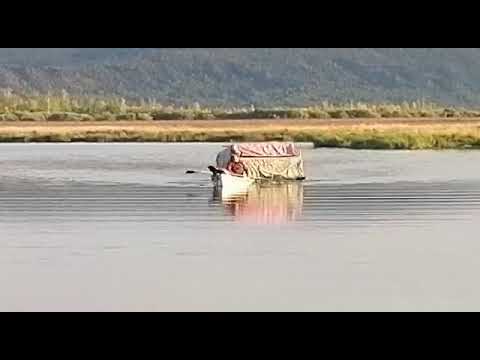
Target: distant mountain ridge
(302, 76)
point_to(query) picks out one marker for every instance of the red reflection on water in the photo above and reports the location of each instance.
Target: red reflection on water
(273, 204)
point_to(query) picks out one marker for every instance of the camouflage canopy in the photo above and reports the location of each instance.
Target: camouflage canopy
(266, 160)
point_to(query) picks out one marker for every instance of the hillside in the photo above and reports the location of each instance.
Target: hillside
(249, 76)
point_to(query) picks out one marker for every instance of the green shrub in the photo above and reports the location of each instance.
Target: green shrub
(69, 116)
(294, 114)
(449, 113)
(385, 113)
(31, 116)
(361, 113)
(338, 114)
(162, 115)
(9, 117)
(143, 117)
(317, 114)
(126, 117)
(203, 116)
(106, 116)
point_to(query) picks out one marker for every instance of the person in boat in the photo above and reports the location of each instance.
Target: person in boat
(235, 166)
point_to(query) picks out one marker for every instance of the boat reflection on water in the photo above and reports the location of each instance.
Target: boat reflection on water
(264, 203)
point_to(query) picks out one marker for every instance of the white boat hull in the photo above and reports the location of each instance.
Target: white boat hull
(232, 184)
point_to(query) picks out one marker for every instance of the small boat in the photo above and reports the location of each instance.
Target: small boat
(230, 183)
(268, 161)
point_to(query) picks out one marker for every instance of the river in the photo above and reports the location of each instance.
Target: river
(121, 227)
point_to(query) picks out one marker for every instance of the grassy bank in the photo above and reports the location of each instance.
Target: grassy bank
(63, 107)
(341, 133)
(399, 140)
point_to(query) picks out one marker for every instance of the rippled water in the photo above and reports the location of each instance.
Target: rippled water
(114, 227)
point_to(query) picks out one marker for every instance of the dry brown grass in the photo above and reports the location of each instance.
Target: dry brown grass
(364, 133)
(294, 124)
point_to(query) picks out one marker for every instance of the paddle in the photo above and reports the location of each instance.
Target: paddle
(212, 169)
(197, 172)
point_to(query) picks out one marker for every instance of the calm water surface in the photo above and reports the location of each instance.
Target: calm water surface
(120, 227)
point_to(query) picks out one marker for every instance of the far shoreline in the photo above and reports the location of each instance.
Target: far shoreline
(368, 133)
